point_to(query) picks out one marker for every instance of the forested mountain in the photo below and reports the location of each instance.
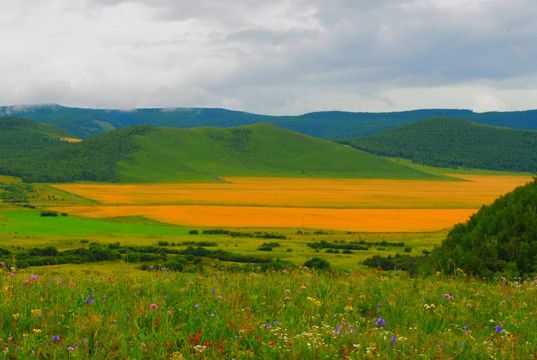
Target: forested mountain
(144, 153)
(34, 152)
(21, 137)
(450, 142)
(501, 237)
(84, 123)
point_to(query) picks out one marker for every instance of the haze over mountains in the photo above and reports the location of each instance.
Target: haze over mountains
(84, 123)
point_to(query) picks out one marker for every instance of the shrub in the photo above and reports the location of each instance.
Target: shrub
(49, 213)
(177, 263)
(317, 263)
(264, 248)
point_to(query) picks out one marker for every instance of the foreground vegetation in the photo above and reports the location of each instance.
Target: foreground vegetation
(501, 237)
(295, 313)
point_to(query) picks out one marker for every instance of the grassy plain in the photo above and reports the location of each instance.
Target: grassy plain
(24, 228)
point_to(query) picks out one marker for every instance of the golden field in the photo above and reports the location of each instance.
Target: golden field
(366, 205)
(475, 191)
(68, 139)
(360, 220)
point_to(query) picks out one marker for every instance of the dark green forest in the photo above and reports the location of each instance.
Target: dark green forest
(450, 142)
(85, 123)
(41, 157)
(500, 238)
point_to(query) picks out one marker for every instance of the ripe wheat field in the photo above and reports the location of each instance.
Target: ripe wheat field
(367, 205)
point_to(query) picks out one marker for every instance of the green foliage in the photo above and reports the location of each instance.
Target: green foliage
(85, 123)
(48, 213)
(145, 154)
(500, 238)
(205, 154)
(317, 263)
(352, 245)
(15, 192)
(412, 264)
(449, 142)
(41, 158)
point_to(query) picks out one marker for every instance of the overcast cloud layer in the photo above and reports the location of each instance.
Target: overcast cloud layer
(272, 57)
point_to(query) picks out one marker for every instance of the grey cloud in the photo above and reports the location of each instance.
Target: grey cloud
(284, 55)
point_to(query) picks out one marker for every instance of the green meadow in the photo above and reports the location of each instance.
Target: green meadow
(25, 228)
(217, 313)
(205, 154)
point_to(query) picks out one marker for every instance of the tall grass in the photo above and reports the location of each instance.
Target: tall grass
(293, 314)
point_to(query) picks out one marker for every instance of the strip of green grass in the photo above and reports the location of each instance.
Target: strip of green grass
(455, 171)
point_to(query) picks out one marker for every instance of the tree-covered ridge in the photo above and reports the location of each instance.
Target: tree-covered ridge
(449, 142)
(21, 137)
(324, 124)
(146, 154)
(37, 158)
(500, 238)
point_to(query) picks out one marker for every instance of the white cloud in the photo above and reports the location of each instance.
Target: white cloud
(277, 57)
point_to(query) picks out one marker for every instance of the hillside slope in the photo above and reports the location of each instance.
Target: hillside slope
(21, 137)
(40, 158)
(325, 124)
(449, 142)
(168, 154)
(146, 154)
(501, 237)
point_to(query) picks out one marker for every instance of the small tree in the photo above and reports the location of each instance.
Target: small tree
(317, 263)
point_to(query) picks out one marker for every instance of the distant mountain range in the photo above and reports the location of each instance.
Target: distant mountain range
(84, 123)
(144, 153)
(450, 142)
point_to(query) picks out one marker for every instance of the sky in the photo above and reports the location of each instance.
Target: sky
(270, 57)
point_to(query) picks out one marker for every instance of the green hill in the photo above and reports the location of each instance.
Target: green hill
(85, 123)
(167, 154)
(449, 142)
(35, 156)
(146, 154)
(500, 238)
(21, 137)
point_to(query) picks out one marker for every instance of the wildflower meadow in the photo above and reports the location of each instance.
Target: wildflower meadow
(295, 313)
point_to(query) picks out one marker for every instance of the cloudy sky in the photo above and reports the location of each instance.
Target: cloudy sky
(272, 57)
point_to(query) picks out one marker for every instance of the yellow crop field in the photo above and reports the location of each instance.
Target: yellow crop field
(68, 139)
(317, 193)
(362, 220)
(365, 205)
